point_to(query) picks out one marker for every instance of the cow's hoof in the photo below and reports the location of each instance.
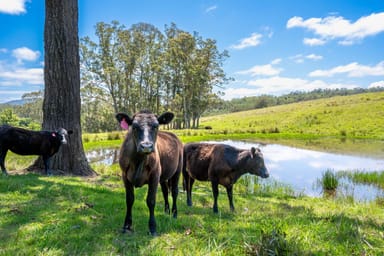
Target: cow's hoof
(127, 230)
(154, 233)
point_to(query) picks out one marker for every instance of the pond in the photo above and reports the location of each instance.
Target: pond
(298, 168)
(301, 168)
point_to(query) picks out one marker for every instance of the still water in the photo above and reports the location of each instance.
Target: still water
(298, 168)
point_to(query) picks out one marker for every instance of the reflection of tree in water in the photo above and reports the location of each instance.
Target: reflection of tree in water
(103, 155)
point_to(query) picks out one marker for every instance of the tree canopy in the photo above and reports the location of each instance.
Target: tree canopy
(129, 69)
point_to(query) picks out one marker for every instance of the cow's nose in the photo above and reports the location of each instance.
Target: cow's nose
(146, 147)
(266, 174)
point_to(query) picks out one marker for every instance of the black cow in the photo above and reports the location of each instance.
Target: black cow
(26, 142)
(149, 156)
(220, 164)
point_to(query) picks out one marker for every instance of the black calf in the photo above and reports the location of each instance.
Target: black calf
(26, 142)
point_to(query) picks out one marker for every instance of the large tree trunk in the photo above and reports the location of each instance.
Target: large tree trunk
(61, 107)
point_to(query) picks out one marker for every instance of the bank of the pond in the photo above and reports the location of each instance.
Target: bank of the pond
(333, 144)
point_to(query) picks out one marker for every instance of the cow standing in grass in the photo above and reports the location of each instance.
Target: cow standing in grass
(26, 142)
(149, 156)
(220, 164)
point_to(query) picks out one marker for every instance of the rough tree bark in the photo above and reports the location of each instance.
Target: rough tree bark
(61, 107)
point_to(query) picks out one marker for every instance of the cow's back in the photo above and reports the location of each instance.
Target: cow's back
(23, 142)
(198, 159)
(170, 152)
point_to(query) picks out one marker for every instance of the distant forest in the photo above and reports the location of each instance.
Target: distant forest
(264, 101)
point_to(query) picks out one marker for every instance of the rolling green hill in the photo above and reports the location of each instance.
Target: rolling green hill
(353, 116)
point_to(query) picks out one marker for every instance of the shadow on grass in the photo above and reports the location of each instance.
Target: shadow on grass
(70, 215)
(66, 215)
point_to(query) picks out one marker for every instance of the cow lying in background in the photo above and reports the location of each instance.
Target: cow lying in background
(220, 164)
(26, 142)
(149, 156)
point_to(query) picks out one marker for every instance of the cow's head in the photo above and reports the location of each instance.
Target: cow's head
(256, 163)
(62, 135)
(144, 126)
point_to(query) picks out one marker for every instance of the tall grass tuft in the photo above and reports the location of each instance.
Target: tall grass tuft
(329, 181)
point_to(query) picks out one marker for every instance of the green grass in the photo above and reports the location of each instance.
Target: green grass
(354, 116)
(374, 178)
(79, 216)
(329, 180)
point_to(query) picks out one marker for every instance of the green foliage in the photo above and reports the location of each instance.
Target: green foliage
(329, 180)
(8, 116)
(129, 69)
(374, 178)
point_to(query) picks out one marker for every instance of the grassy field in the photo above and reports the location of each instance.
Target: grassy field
(355, 116)
(63, 215)
(83, 216)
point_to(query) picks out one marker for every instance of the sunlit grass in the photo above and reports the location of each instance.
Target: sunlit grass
(82, 216)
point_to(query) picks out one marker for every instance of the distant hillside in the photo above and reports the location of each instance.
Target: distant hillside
(14, 102)
(360, 115)
(263, 101)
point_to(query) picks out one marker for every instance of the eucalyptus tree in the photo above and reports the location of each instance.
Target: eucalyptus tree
(142, 68)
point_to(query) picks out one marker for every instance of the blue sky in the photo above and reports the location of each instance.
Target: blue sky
(275, 46)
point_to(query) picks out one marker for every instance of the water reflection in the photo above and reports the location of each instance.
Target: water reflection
(301, 168)
(106, 156)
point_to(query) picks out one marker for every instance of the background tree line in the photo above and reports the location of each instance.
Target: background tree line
(128, 69)
(98, 115)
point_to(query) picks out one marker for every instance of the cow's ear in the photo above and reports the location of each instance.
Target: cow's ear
(253, 151)
(165, 118)
(124, 120)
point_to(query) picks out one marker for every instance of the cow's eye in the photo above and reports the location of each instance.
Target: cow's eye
(135, 127)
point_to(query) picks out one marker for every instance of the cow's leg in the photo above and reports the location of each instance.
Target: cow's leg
(175, 192)
(189, 183)
(164, 189)
(129, 199)
(230, 197)
(151, 202)
(215, 190)
(3, 153)
(46, 160)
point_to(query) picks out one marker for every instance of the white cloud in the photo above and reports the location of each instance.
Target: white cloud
(253, 40)
(376, 84)
(351, 70)
(314, 57)
(211, 8)
(22, 76)
(263, 70)
(313, 41)
(12, 6)
(333, 27)
(277, 85)
(232, 93)
(25, 53)
(299, 58)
